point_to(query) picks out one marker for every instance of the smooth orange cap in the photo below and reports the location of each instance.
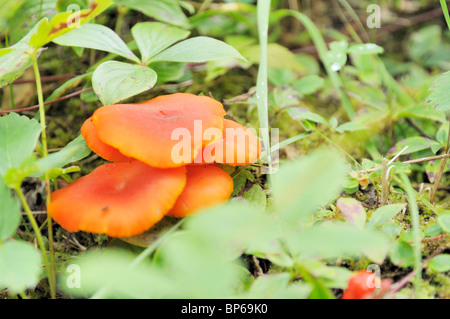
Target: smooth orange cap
(206, 185)
(153, 131)
(238, 146)
(117, 199)
(103, 150)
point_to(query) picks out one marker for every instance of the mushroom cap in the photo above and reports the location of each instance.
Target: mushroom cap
(206, 185)
(151, 131)
(103, 150)
(238, 146)
(117, 199)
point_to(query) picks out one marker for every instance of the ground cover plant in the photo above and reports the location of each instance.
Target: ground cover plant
(224, 149)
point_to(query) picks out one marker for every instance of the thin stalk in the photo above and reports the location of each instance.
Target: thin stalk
(51, 273)
(11, 89)
(441, 169)
(415, 222)
(445, 11)
(36, 229)
(263, 12)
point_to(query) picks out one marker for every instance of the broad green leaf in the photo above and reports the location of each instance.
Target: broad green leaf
(432, 169)
(440, 263)
(444, 222)
(198, 268)
(278, 57)
(439, 98)
(13, 62)
(198, 49)
(256, 196)
(169, 71)
(336, 57)
(110, 271)
(351, 127)
(240, 180)
(300, 187)
(20, 266)
(98, 37)
(433, 230)
(300, 114)
(154, 37)
(309, 84)
(415, 144)
(402, 254)
(168, 11)
(18, 138)
(115, 81)
(9, 212)
(352, 210)
(277, 286)
(335, 240)
(230, 227)
(384, 214)
(63, 22)
(366, 48)
(72, 152)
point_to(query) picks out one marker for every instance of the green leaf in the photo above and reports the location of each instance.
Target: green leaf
(167, 11)
(300, 187)
(230, 227)
(110, 270)
(154, 37)
(63, 22)
(198, 268)
(300, 114)
(198, 49)
(439, 98)
(72, 152)
(352, 210)
(309, 84)
(440, 263)
(335, 240)
(98, 37)
(384, 214)
(444, 222)
(277, 286)
(9, 212)
(351, 127)
(366, 48)
(20, 266)
(336, 57)
(115, 81)
(415, 144)
(402, 254)
(256, 196)
(432, 169)
(18, 138)
(13, 62)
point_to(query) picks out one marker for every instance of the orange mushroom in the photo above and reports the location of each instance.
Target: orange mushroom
(103, 150)
(150, 131)
(206, 185)
(118, 199)
(238, 146)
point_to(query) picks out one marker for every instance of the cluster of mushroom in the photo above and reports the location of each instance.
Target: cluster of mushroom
(163, 154)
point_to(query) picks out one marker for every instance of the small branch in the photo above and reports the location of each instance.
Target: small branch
(414, 161)
(418, 128)
(44, 79)
(68, 96)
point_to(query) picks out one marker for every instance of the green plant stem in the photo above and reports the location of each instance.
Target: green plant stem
(263, 12)
(445, 11)
(415, 222)
(36, 229)
(51, 272)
